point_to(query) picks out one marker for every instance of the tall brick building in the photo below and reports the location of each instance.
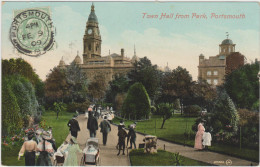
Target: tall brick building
(214, 69)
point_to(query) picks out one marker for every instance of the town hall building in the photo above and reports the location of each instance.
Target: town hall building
(93, 63)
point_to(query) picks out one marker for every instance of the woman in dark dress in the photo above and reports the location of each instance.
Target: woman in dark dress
(45, 148)
(28, 150)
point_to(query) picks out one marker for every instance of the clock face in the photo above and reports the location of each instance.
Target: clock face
(89, 31)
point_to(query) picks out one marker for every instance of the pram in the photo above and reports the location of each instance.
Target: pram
(58, 159)
(59, 156)
(91, 153)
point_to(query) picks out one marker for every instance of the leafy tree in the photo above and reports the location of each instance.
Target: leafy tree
(97, 88)
(137, 102)
(118, 86)
(77, 81)
(147, 74)
(242, 85)
(176, 84)
(11, 116)
(203, 94)
(59, 107)
(21, 67)
(56, 86)
(166, 111)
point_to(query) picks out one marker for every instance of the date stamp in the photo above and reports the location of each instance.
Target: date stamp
(32, 31)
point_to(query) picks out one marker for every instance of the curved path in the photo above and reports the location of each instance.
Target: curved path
(109, 156)
(108, 153)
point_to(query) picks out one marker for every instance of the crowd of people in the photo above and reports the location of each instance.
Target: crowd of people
(44, 144)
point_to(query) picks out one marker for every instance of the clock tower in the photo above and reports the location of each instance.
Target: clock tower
(92, 38)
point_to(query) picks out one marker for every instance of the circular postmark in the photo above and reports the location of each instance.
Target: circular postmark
(228, 162)
(32, 33)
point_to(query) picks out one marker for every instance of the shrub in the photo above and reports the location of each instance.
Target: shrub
(11, 116)
(192, 111)
(80, 107)
(225, 116)
(249, 122)
(137, 102)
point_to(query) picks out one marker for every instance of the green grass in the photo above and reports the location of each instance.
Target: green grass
(174, 129)
(60, 132)
(162, 158)
(60, 129)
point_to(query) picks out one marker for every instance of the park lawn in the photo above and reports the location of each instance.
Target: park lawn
(162, 158)
(60, 132)
(59, 126)
(174, 129)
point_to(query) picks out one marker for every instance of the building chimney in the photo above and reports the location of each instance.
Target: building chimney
(122, 52)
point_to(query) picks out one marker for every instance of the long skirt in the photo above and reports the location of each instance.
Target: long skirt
(44, 159)
(29, 158)
(198, 141)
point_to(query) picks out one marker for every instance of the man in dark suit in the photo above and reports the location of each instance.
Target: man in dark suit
(74, 127)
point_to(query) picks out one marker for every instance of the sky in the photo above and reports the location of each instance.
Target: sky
(178, 42)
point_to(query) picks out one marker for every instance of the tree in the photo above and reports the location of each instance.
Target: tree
(97, 88)
(23, 68)
(176, 84)
(225, 116)
(147, 74)
(56, 86)
(242, 85)
(203, 94)
(11, 116)
(59, 107)
(116, 89)
(77, 81)
(166, 111)
(137, 102)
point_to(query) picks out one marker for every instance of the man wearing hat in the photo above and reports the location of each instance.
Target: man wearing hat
(73, 124)
(29, 147)
(92, 125)
(121, 137)
(105, 129)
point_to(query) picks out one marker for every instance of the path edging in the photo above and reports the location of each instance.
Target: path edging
(192, 147)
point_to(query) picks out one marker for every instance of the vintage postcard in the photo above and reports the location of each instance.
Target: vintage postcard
(130, 83)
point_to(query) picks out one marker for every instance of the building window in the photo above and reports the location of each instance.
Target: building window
(215, 72)
(209, 81)
(208, 72)
(89, 47)
(215, 81)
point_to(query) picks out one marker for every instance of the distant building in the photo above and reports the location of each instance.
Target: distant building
(214, 69)
(93, 63)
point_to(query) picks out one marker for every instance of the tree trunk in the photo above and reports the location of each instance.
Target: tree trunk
(163, 123)
(57, 115)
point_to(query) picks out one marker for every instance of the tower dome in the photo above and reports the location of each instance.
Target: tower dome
(227, 42)
(77, 59)
(92, 16)
(62, 63)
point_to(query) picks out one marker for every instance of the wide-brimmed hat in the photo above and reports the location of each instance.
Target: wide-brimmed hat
(121, 123)
(74, 139)
(46, 135)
